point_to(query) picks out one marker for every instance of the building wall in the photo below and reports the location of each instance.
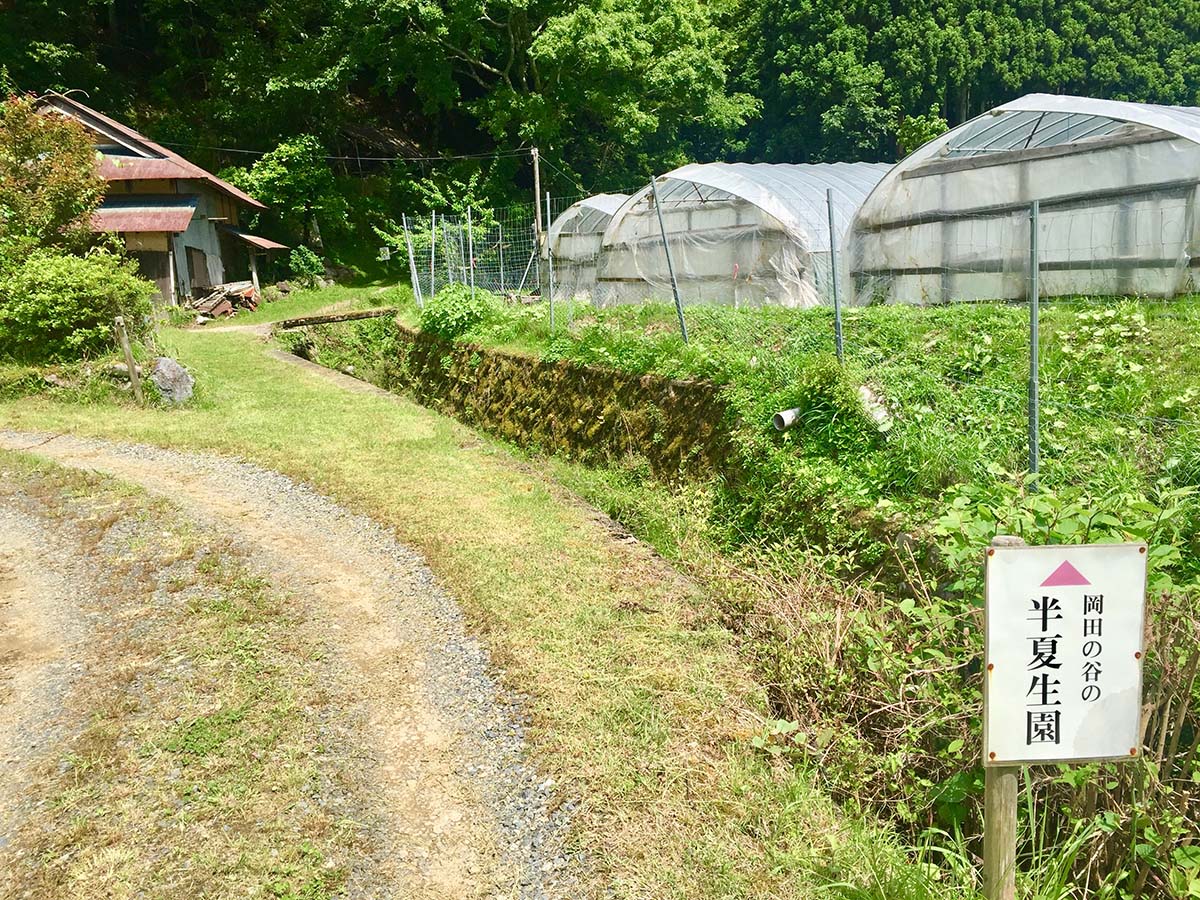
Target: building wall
(222, 262)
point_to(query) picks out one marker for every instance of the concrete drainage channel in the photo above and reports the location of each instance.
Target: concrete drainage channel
(468, 814)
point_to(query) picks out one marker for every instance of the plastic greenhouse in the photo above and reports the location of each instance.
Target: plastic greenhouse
(1116, 184)
(739, 233)
(574, 240)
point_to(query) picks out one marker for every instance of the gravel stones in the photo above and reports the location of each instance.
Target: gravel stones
(462, 812)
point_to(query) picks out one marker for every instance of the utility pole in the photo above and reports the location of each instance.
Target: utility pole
(537, 216)
(537, 198)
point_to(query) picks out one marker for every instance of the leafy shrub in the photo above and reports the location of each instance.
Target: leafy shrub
(56, 307)
(455, 310)
(49, 183)
(306, 266)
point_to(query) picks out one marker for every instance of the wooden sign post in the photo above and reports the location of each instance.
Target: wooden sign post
(1063, 674)
(123, 339)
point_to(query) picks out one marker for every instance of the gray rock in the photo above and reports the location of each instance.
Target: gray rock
(172, 380)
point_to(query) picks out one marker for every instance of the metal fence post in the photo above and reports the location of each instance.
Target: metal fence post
(833, 270)
(500, 249)
(662, 229)
(462, 255)
(1034, 291)
(549, 263)
(471, 250)
(412, 263)
(432, 251)
(446, 244)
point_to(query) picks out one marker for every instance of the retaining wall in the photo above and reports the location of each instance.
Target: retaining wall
(592, 414)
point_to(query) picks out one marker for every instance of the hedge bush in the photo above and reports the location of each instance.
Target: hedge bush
(306, 266)
(58, 307)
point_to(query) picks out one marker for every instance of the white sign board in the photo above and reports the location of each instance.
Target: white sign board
(385, 253)
(1063, 651)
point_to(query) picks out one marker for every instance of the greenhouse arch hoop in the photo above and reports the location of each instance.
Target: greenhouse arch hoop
(574, 243)
(1117, 187)
(739, 233)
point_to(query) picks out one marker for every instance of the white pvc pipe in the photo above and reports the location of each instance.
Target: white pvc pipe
(786, 418)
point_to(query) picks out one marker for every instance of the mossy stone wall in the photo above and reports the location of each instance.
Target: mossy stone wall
(591, 414)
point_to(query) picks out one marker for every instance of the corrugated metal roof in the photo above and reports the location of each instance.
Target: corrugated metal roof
(139, 143)
(137, 168)
(793, 193)
(142, 212)
(254, 240)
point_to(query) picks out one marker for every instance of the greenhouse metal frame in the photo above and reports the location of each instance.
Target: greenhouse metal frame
(739, 233)
(1116, 185)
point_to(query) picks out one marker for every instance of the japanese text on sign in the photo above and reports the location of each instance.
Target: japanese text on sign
(1064, 645)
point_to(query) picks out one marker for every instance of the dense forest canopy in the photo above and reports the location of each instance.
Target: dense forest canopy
(611, 90)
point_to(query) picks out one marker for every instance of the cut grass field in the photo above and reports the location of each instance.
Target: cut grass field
(641, 704)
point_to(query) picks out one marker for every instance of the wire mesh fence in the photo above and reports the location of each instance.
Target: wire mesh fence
(1095, 377)
(491, 249)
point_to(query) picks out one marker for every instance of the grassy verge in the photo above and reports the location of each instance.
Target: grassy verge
(1118, 398)
(306, 301)
(1121, 457)
(193, 772)
(640, 700)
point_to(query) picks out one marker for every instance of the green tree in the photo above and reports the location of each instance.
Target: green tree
(620, 87)
(295, 180)
(840, 79)
(49, 184)
(913, 131)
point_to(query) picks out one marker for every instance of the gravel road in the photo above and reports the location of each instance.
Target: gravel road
(463, 812)
(43, 592)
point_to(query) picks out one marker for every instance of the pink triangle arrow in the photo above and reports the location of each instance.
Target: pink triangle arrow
(1065, 576)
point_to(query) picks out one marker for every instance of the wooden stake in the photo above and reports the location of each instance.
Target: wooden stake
(1000, 807)
(134, 381)
(1000, 832)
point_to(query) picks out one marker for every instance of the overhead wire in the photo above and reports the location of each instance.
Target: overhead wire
(571, 178)
(495, 154)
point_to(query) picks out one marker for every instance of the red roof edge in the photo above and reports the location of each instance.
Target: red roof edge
(79, 110)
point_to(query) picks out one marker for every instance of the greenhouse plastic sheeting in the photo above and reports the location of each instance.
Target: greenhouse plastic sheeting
(739, 233)
(1116, 185)
(574, 243)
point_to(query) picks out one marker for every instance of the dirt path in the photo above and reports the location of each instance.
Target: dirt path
(41, 586)
(464, 815)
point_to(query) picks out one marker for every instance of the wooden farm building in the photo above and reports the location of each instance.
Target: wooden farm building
(181, 223)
